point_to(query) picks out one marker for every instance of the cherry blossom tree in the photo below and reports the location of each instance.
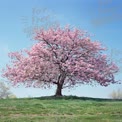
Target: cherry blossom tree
(64, 57)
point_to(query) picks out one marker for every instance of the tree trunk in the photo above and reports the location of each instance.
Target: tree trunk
(59, 84)
(59, 90)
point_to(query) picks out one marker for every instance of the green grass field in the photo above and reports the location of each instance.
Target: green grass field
(66, 109)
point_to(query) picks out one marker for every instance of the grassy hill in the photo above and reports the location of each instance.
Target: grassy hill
(62, 109)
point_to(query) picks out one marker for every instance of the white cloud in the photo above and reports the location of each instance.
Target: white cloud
(4, 49)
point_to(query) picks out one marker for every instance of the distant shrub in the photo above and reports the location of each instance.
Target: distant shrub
(116, 94)
(5, 91)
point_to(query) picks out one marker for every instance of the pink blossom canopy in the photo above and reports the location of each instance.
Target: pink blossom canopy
(61, 51)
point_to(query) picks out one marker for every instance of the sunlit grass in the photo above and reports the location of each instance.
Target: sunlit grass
(60, 110)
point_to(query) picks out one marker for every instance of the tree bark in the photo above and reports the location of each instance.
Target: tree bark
(59, 90)
(60, 84)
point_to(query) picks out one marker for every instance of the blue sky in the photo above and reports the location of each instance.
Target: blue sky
(102, 18)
